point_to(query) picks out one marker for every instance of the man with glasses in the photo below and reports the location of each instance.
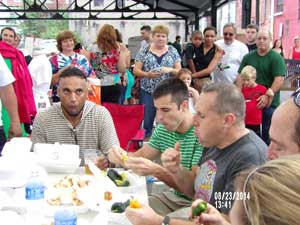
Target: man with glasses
(233, 53)
(285, 128)
(270, 68)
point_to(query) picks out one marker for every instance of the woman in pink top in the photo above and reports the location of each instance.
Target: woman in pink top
(295, 50)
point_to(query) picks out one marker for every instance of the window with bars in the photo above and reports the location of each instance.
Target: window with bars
(287, 28)
(279, 6)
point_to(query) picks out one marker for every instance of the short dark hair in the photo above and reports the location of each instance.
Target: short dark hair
(177, 37)
(210, 28)
(9, 28)
(73, 72)
(174, 87)
(196, 32)
(146, 27)
(229, 99)
(252, 26)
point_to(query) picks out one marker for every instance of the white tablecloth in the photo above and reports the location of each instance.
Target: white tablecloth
(17, 203)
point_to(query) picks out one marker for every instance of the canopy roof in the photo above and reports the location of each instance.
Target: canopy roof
(188, 10)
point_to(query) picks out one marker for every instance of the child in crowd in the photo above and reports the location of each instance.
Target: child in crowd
(252, 91)
(186, 76)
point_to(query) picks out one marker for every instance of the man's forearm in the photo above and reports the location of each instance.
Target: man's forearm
(9, 100)
(165, 176)
(277, 84)
(191, 65)
(185, 181)
(180, 222)
(182, 181)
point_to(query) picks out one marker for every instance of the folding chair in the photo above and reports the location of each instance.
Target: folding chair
(128, 120)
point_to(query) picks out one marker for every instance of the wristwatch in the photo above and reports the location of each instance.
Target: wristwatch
(166, 221)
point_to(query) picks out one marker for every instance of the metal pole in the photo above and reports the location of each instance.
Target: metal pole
(213, 16)
(196, 20)
(257, 12)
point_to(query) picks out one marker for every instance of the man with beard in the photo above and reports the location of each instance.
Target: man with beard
(75, 120)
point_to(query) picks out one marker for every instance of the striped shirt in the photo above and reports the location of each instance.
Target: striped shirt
(95, 130)
(190, 149)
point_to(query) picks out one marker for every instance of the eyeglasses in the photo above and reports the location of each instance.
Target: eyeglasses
(228, 34)
(296, 96)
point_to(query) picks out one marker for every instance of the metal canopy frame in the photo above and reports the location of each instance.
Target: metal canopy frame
(190, 10)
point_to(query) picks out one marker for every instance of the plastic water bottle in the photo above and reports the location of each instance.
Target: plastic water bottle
(34, 195)
(34, 188)
(65, 216)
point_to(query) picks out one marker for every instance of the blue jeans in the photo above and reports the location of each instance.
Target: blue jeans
(266, 123)
(150, 111)
(122, 95)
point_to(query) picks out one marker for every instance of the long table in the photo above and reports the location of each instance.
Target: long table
(89, 217)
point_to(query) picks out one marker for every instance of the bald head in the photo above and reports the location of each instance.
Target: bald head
(263, 41)
(265, 33)
(285, 130)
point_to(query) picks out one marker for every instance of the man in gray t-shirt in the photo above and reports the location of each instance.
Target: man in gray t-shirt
(229, 148)
(219, 167)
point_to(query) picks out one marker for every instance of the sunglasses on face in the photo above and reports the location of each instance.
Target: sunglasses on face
(296, 96)
(228, 34)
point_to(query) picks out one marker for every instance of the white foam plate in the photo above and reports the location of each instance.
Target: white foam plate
(60, 167)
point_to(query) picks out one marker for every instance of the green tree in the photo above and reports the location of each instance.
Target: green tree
(46, 29)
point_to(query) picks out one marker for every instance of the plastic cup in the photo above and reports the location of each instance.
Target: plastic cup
(90, 155)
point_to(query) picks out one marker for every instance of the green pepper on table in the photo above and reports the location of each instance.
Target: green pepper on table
(119, 180)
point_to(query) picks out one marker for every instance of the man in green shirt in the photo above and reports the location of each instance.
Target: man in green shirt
(271, 69)
(176, 44)
(176, 130)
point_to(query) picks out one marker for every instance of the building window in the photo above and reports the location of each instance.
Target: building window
(298, 9)
(279, 6)
(287, 28)
(246, 13)
(225, 14)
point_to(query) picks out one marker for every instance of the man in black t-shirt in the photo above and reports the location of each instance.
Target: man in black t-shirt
(251, 34)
